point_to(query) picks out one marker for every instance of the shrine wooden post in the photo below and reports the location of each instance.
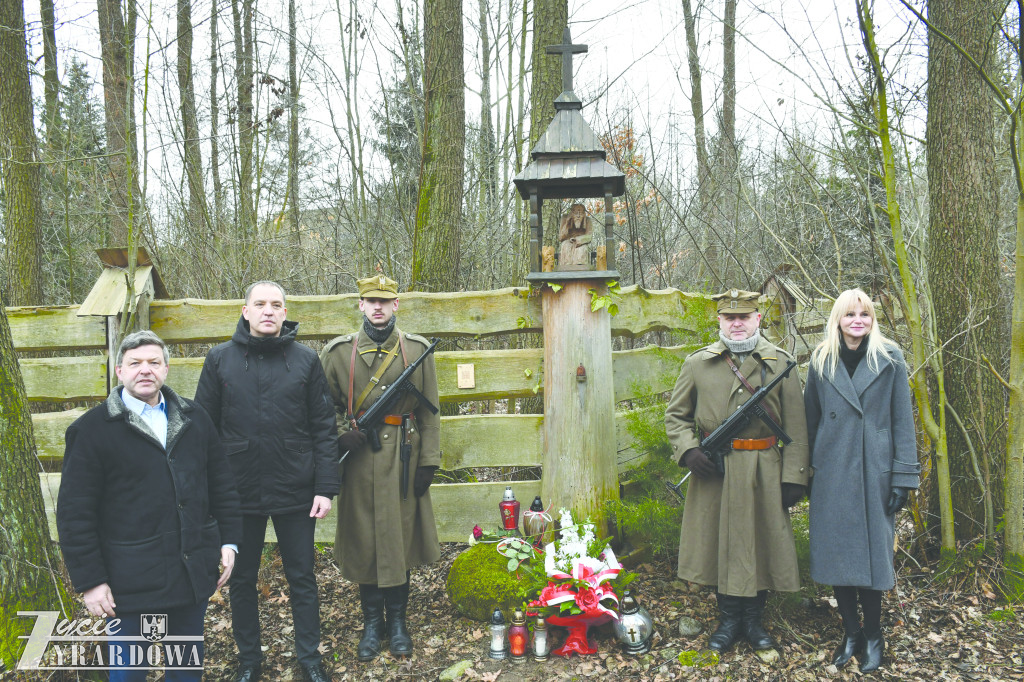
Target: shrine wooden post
(579, 401)
(569, 162)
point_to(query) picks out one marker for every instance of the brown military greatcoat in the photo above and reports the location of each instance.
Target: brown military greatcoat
(379, 535)
(735, 533)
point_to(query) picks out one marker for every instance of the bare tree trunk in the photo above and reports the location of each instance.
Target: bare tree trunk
(29, 565)
(246, 213)
(522, 244)
(218, 190)
(436, 242)
(20, 163)
(696, 95)
(488, 175)
(51, 81)
(117, 43)
(963, 251)
(727, 188)
(727, 135)
(193, 161)
(550, 17)
(293, 125)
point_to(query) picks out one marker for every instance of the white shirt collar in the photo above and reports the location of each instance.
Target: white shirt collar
(137, 406)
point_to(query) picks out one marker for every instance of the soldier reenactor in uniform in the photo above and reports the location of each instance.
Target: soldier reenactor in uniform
(736, 532)
(385, 520)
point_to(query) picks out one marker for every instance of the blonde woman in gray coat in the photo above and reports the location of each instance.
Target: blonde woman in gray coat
(860, 427)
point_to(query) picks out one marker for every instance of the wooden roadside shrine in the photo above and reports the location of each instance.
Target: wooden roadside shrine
(568, 162)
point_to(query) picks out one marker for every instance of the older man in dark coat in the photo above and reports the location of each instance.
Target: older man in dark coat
(147, 507)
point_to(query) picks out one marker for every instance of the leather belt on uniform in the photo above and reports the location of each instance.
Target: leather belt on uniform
(390, 419)
(752, 443)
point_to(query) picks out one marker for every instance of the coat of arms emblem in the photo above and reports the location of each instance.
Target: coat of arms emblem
(154, 626)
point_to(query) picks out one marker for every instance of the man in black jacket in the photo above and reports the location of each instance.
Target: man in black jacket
(268, 397)
(147, 508)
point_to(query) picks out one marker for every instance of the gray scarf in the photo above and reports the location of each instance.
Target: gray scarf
(381, 335)
(741, 348)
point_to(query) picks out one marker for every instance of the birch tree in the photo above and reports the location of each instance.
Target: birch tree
(117, 46)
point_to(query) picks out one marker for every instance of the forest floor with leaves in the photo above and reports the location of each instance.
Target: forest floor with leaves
(947, 631)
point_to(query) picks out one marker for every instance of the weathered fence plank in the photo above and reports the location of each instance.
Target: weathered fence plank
(514, 373)
(651, 369)
(498, 373)
(460, 506)
(457, 507)
(49, 431)
(56, 379)
(642, 311)
(491, 441)
(468, 313)
(55, 328)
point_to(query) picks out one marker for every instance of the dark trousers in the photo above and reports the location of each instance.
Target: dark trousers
(295, 542)
(186, 621)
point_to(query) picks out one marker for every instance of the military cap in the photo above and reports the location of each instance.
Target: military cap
(737, 301)
(378, 286)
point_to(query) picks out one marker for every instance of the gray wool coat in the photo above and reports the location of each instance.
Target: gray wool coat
(863, 443)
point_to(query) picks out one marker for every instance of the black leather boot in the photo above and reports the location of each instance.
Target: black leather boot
(396, 599)
(372, 599)
(874, 652)
(730, 623)
(852, 645)
(753, 630)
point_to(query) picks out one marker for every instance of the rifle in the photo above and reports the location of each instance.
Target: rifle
(719, 442)
(370, 420)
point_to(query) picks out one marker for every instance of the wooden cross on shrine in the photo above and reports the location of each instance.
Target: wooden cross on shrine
(567, 50)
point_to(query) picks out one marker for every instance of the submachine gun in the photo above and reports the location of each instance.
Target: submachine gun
(717, 444)
(370, 420)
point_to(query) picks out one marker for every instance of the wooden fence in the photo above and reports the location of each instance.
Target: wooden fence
(478, 440)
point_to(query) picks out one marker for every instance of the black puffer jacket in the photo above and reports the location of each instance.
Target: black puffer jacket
(148, 520)
(269, 399)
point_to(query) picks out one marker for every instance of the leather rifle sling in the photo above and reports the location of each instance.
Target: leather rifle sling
(746, 384)
(375, 379)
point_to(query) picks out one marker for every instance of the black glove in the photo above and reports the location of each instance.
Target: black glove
(696, 461)
(424, 477)
(350, 441)
(791, 494)
(897, 498)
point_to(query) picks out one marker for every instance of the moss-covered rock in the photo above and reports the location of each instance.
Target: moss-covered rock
(479, 582)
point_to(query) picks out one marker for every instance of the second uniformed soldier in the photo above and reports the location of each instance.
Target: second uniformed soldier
(385, 525)
(736, 533)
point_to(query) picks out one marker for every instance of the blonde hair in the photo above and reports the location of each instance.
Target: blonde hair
(825, 358)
